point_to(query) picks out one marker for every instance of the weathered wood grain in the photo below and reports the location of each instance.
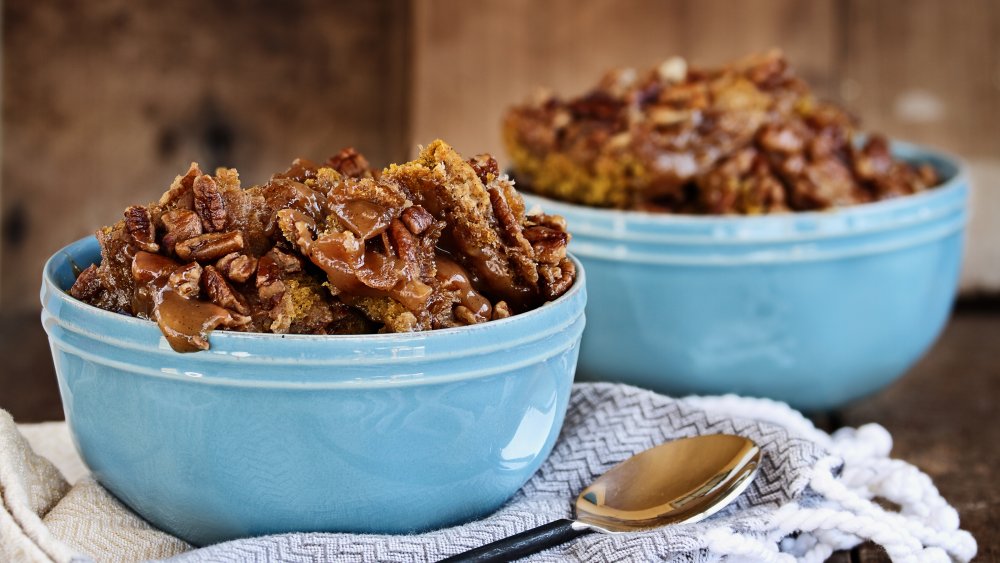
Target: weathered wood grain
(929, 71)
(104, 102)
(926, 70)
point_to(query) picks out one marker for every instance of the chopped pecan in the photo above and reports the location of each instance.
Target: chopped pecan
(666, 116)
(282, 314)
(87, 286)
(407, 247)
(185, 280)
(237, 267)
(465, 315)
(140, 229)
(209, 205)
(551, 221)
(298, 227)
(301, 170)
(210, 246)
(501, 310)
(556, 279)
(486, 167)
(596, 105)
(218, 291)
(509, 224)
(782, 139)
(549, 244)
(181, 225)
(270, 288)
(289, 263)
(349, 163)
(179, 193)
(417, 219)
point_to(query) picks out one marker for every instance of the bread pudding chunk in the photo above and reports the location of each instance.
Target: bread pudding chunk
(746, 138)
(332, 248)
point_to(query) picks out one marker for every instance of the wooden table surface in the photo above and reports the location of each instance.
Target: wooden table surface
(942, 415)
(943, 418)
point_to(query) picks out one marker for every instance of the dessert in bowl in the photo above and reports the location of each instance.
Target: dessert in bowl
(384, 386)
(740, 237)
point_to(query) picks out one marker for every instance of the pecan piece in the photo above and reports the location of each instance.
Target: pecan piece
(289, 263)
(237, 267)
(511, 227)
(185, 280)
(140, 228)
(549, 244)
(556, 279)
(465, 315)
(298, 227)
(407, 247)
(218, 291)
(210, 246)
(282, 314)
(208, 203)
(269, 285)
(88, 286)
(486, 167)
(556, 222)
(417, 219)
(599, 106)
(501, 310)
(349, 162)
(181, 225)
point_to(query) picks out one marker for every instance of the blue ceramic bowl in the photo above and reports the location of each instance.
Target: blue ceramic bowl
(815, 309)
(263, 433)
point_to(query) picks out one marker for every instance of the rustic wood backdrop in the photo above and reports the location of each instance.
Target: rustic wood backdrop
(104, 102)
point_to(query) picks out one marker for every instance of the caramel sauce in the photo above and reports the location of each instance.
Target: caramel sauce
(353, 270)
(186, 322)
(148, 267)
(365, 219)
(454, 277)
(413, 294)
(289, 194)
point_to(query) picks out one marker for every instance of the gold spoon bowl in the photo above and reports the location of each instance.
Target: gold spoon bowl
(681, 481)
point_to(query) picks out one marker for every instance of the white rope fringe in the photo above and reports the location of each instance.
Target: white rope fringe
(925, 528)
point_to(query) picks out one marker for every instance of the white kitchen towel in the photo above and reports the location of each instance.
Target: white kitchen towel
(815, 493)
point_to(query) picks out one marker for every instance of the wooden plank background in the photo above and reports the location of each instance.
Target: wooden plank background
(103, 103)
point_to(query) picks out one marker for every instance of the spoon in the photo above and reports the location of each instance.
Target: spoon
(682, 481)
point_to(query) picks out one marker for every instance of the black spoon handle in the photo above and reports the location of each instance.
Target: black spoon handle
(525, 543)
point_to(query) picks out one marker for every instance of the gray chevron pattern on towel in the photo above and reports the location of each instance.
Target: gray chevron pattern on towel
(605, 424)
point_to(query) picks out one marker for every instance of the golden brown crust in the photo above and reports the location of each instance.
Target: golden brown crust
(748, 137)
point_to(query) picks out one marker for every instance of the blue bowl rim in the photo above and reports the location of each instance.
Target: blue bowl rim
(753, 229)
(143, 335)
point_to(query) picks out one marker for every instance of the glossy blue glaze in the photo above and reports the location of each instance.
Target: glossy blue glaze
(261, 434)
(815, 309)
